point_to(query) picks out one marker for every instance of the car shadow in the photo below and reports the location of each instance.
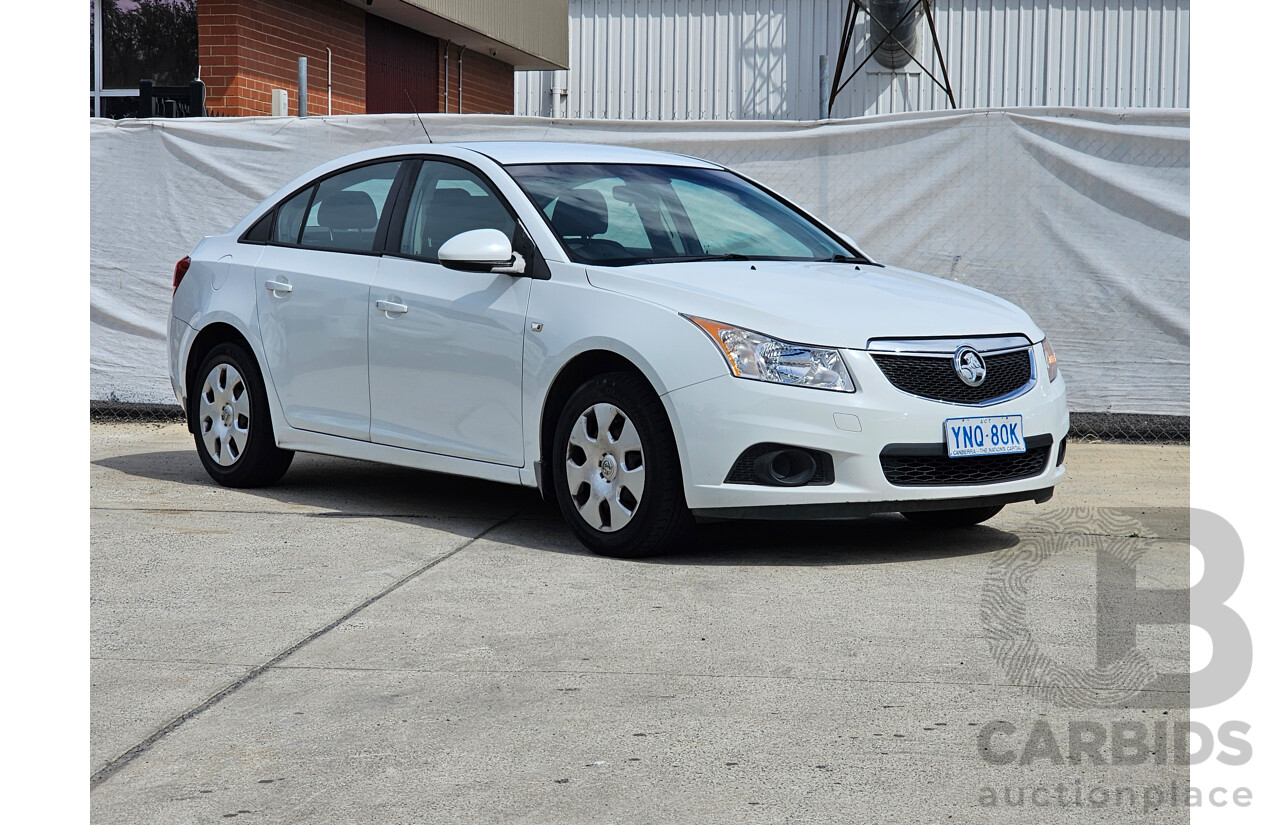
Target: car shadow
(326, 487)
(881, 539)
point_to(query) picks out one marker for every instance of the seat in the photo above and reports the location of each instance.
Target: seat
(579, 216)
(351, 219)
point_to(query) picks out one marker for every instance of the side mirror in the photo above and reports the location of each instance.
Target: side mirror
(481, 250)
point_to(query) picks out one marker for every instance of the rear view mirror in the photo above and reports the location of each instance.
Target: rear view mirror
(627, 194)
(481, 250)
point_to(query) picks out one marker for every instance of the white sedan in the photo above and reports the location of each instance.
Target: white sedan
(648, 338)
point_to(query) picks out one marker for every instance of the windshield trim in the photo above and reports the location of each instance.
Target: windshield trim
(859, 256)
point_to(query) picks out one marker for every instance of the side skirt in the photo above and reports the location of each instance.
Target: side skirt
(308, 442)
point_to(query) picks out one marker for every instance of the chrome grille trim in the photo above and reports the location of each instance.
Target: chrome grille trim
(926, 386)
(985, 344)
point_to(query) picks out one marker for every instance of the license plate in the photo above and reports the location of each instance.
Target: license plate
(984, 436)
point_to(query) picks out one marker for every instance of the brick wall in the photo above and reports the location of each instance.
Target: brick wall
(249, 47)
(488, 85)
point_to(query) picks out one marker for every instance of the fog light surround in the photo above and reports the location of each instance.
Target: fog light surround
(782, 465)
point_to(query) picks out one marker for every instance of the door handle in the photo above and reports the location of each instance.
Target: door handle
(391, 308)
(278, 287)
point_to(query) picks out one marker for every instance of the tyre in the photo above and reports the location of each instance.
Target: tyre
(950, 519)
(616, 470)
(234, 437)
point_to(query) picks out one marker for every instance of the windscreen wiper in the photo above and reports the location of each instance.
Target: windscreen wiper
(723, 256)
(838, 258)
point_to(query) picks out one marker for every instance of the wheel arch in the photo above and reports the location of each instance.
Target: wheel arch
(575, 372)
(210, 336)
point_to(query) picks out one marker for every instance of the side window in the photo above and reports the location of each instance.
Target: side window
(449, 200)
(347, 208)
(261, 231)
(289, 217)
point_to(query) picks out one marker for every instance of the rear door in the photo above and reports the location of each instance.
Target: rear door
(446, 347)
(313, 288)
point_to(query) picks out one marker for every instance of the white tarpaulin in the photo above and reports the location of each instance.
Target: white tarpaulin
(1080, 216)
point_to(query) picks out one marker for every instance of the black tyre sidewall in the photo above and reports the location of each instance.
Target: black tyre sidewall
(261, 462)
(662, 518)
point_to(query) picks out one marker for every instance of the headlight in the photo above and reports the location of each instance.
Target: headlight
(761, 358)
(1051, 360)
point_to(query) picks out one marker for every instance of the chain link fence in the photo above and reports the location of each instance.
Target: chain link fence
(1130, 428)
(122, 412)
(1086, 427)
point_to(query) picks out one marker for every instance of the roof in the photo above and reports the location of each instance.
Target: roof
(516, 152)
(505, 153)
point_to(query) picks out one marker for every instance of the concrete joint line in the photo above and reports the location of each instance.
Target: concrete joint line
(108, 770)
(306, 514)
(679, 675)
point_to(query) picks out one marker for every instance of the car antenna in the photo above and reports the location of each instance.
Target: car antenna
(415, 111)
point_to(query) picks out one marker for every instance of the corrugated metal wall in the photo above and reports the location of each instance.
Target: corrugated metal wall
(758, 59)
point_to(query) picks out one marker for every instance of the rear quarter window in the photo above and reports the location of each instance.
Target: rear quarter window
(289, 217)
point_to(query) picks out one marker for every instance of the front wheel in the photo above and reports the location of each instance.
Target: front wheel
(234, 436)
(616, 470)
(950, 519)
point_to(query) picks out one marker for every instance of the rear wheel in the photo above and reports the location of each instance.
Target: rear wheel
(950, 519)
(616, 470)
(234, 436)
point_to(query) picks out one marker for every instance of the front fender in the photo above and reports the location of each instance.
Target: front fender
(575, 318)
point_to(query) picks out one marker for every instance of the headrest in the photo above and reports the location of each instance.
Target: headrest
(346, 211)
(580, 213)
(452, 198)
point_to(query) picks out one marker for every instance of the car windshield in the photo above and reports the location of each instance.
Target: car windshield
(616, 215)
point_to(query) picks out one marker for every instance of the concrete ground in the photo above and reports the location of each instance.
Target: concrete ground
(370, 644)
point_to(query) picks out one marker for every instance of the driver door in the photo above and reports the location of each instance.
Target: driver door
(446, 347)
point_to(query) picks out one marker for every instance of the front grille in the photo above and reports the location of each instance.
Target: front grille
(935, 377)
(927, 465)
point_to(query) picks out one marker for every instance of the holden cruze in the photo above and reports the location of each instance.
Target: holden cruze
(648, 338)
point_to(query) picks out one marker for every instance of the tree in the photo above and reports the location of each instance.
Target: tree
(149, 39)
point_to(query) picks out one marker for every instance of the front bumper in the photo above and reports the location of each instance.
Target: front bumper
(716, 420)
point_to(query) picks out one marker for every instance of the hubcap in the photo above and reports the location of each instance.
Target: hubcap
(605, 467)
(224, 414)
